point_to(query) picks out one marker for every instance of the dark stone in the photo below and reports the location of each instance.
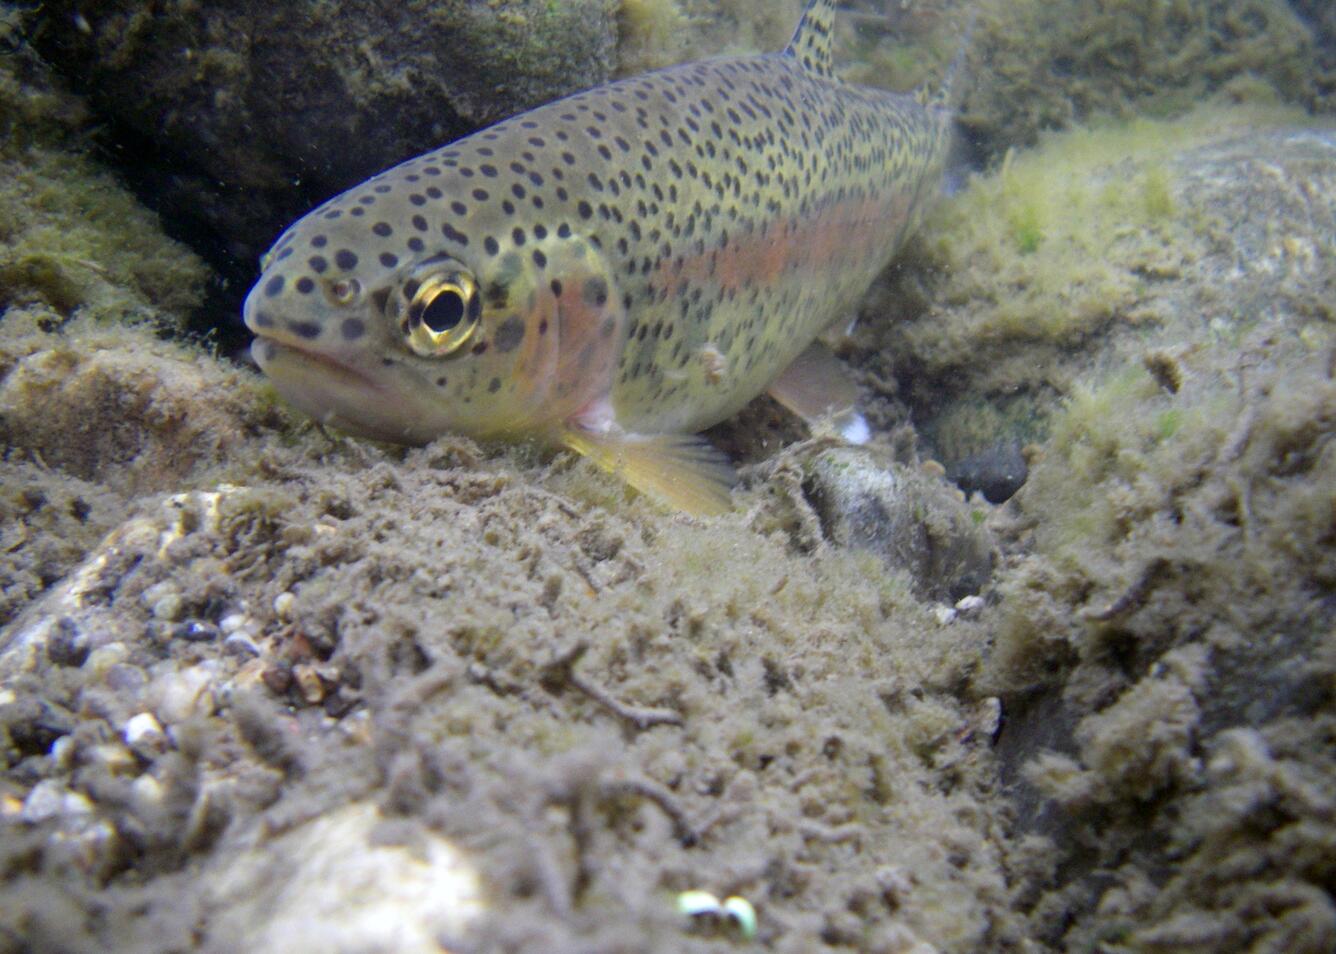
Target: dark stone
(997, 472)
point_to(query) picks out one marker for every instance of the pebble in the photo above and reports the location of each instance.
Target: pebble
(183, 694)
(144, 734)
(309, 683)
(113, 759)
(104, 657)
(171, 607)
(49, 799)
(969, 605)
(284, 606)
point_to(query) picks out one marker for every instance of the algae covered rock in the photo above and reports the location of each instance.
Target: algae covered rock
(241, 115)
(1104, 248)
(118, 405)
(1163, 644)
(72, 238)
(908, 518)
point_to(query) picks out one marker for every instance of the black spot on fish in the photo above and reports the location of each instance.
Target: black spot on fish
(352, 329)
(491, 245)
(481, 195)
(459, 208)
(596, 292)
(263, 319)
(389, 259)
(383, 229)
(273, 287)
(345, 259)
(320, 241)
(304, 329)
(304, 285)
(509, 334)
(493, 385)
(318, 264)
(539, 258)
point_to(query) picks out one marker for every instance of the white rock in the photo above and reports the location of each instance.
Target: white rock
(331, 885)
(183, 694)
(969, 605)
(284, 605)
(144, 734)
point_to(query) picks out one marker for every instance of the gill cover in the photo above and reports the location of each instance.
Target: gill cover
(554, 317)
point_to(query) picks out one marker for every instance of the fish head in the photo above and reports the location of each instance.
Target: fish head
(405, 347)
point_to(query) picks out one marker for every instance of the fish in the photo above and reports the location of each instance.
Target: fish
(612, 272)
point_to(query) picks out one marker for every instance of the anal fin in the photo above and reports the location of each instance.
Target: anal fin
(681, 471)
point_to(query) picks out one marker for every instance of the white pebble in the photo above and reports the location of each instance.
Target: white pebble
(969, 605)
(49, 799)
(183, 694)
(144, 734)
(284, 604)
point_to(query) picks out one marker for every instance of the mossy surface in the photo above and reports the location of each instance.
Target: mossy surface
(1044, 65)
(1035, 273)
(71, 237)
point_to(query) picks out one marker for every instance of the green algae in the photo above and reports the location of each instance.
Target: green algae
(71, 237)
(1042, 65)
(1033, 264)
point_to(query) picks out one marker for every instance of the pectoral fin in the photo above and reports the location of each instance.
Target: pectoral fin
(680, 471)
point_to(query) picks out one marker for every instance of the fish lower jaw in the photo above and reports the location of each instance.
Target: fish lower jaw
(343, 397)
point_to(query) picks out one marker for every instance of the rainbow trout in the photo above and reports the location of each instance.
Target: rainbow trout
(612, 272)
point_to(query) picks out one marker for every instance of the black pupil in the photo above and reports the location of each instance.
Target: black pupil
(443, 312)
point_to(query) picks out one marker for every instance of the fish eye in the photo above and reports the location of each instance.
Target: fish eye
(442, 315)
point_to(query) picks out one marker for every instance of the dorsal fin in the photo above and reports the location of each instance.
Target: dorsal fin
(813, 39)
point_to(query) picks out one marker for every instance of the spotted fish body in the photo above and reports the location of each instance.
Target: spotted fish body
(613, 271)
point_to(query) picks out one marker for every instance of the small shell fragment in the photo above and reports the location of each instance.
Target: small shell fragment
(702, 904)
(697, 903)
(743, 915)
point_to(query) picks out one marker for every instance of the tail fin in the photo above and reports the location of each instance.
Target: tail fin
(813, 40)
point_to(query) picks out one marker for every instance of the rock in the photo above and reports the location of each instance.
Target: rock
(997, 472)
(912, 521)
(144, 733)
(339, 883)
(237, 117)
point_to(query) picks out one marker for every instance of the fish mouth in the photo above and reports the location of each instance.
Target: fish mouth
(341, 396)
